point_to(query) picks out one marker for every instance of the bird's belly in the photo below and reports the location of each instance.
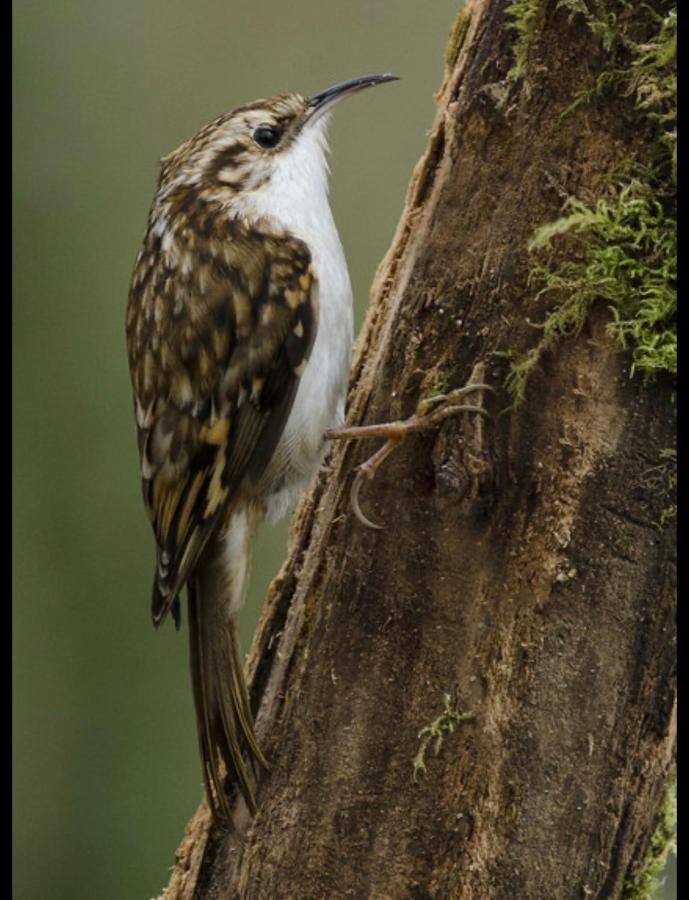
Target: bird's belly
(318, 404)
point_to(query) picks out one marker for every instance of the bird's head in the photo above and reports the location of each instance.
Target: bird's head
(266, 145)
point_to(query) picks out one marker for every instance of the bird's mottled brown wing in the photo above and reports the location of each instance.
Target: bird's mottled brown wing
(217, 339)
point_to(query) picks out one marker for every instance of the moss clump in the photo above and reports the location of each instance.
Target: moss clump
(649, 74)
(644, 884)
(652, 81)
(446, 723)
(523, 18)
(621, 248)
(601, 16)
(623, 254)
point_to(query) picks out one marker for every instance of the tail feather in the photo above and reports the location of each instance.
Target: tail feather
(224, 720)
(240, 698)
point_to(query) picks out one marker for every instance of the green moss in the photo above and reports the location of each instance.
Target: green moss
(645, 884)
(602, 17)
(523, 18)
(441, 387)
(642, 69)
(621, 249)
(446, 723)
(652, 81)
(664, 479)
(623, 253)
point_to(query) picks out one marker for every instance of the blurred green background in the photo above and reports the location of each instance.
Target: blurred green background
(106, 772)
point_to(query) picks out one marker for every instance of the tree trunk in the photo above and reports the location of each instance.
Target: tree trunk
(522, 571)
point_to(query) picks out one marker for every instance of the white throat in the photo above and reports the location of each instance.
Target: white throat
(296, 199)
(296, 195)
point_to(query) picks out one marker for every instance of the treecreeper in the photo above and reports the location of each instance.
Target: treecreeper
(239, 335)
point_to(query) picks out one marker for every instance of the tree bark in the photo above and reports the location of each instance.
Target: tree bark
(522, 570)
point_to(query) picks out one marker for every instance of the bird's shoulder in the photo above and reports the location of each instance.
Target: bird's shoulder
(202, 294)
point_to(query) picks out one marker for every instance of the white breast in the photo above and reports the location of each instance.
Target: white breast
(296, 198)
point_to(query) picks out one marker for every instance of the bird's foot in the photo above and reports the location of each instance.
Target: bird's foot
(430, 412)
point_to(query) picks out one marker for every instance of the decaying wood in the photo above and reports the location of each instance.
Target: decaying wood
(522, 571)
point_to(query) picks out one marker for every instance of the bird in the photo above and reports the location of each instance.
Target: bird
(239, 330)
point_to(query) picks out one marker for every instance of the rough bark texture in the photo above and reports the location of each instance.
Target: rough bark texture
(522, 570)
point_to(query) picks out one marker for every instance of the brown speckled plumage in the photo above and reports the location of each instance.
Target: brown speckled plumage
(221, 318)
(217, 328)
(239, 329)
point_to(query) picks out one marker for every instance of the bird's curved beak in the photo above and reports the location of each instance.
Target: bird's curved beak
(321, 103)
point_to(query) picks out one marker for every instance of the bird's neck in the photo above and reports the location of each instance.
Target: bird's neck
(295, 197)
(293, 200)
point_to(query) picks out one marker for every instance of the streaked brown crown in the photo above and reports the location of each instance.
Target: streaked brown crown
(227, 155)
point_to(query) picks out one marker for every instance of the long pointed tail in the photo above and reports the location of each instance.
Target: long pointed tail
(223, 716)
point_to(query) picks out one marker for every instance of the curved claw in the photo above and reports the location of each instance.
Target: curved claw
(426, 417)
(427, 403)
(354, 499)
(446, 412)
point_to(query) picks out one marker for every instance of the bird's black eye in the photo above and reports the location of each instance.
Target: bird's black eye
(267, 136)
